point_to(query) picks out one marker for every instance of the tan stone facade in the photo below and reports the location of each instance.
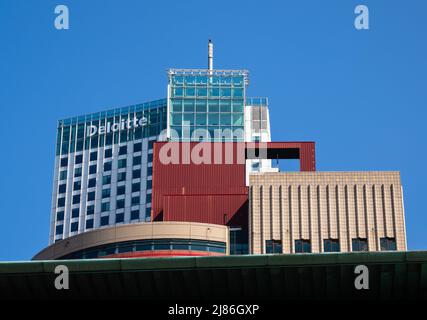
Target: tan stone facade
(137, 231)
(316, 206)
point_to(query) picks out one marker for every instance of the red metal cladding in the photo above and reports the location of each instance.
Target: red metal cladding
(228, 209)
(183, 178)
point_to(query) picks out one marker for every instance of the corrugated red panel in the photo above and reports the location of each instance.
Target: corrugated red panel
(192, 179)
(228, 209)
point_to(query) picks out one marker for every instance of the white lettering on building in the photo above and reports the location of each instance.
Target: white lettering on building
(116, 126)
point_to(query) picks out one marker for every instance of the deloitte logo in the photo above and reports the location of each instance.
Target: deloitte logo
(116, 126)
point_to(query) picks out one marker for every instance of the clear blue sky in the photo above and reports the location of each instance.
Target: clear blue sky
(361, 95)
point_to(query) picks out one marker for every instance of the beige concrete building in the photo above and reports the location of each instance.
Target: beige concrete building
(325, 212)
(140, 239)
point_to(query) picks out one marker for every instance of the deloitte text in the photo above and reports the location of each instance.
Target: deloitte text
(125, 124)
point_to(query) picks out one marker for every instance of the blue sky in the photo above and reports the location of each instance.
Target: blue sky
(361, 95)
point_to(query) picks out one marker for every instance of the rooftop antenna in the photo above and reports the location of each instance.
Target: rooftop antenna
(210, 56)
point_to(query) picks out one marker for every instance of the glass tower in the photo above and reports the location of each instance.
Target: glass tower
(103, 168)
(206, 105)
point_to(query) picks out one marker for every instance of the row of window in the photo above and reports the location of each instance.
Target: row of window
(104, 221)
(106, 180)
(204, 80)
(108, 166)
(207, 105)
(330, 245)
(214, 92)
(212, 119)
(149, 245)
(120, 203)
(108, 153)
(217, 134)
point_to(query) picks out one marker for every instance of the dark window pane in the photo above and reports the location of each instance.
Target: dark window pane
(74, 226)
(60, 216)
(91, 183)
(105, 220)
(92, 169)
(93, 155)
(134, 215)
(89, 224)
(120, 204)
(107, 166)
(64, 162)
(79, 159)
(123, 150)
(120, 217)
(62, 188)
(75, 213)
(137, 147)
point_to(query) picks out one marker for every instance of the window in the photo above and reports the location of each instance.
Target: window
(92, 169)
(108, 153)
(136, 160)
(150, 144)
(123, 150)
(90, 210)
(106, 179)
(149, 184)
(91, 183)
(359, 244)
(135, 200)
(59, 229)
(136, 174)
(77, 185)
(331, 245)
(122, 163)
(120, 204)
(61, 202)
(121, 176)
(77, 172)
(63, 175)
(91, 196)
(62, 188)
(136, 187)
(75, 213)
(105, 220)
(94, 156)
(137, 147)
(79, 159)
(64, 162)
(273, 246)
(149, 171)
(106, 193)
(121, 190)
(134, 215)
(74, 227)
(89, 224)
(148, 198)
(302, 246)
(147, 214)
(150, 157)
(107, 166)
(120, 217)
(76, 199)
(105, 206)
(60, 216)
(388, 244)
